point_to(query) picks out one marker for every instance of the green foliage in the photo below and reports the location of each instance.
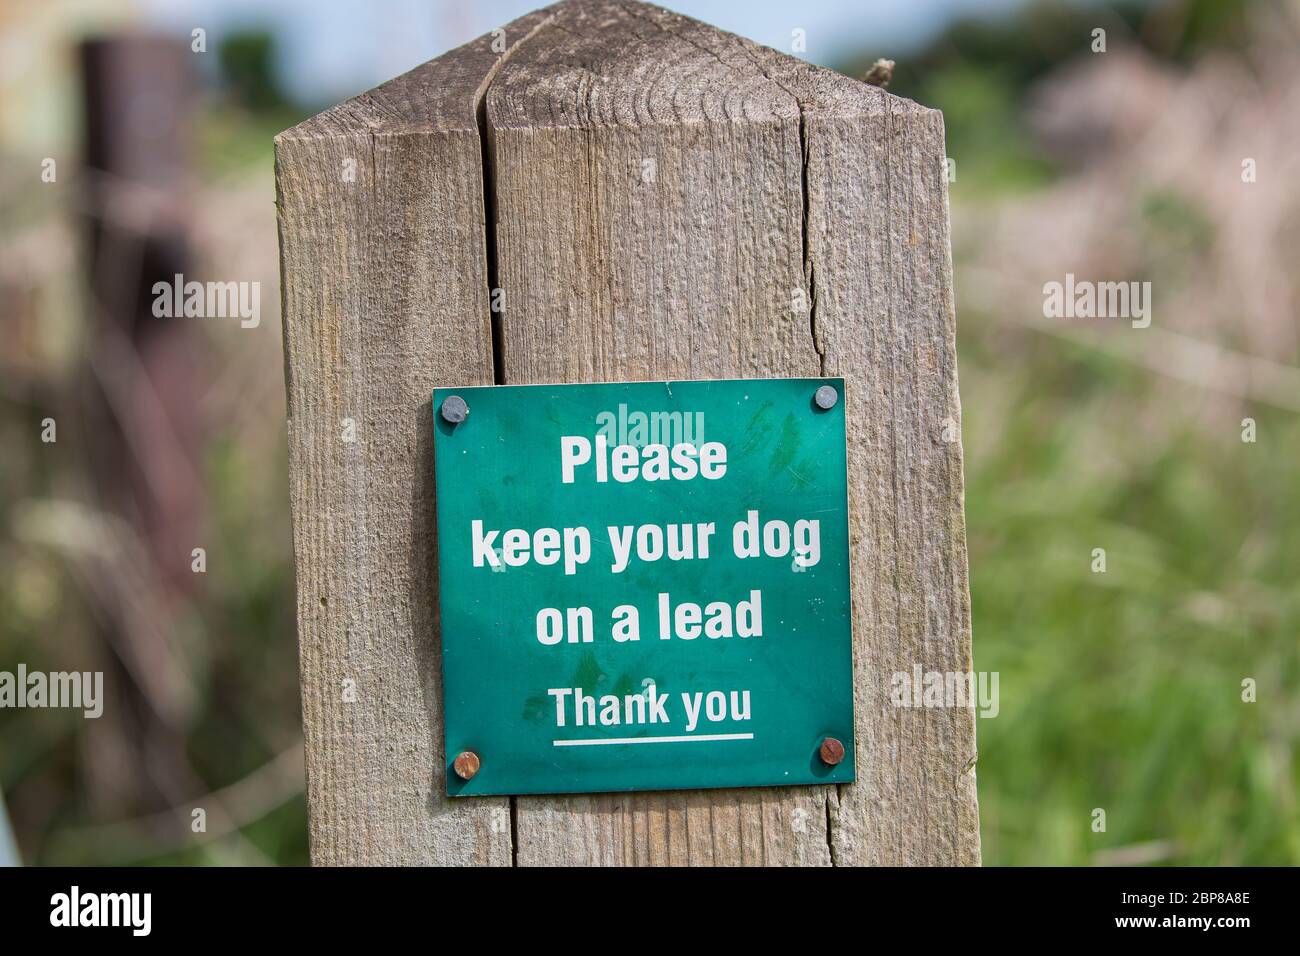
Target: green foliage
(1176, 234)
(993, 153)
(247, 61)
(1122, 690)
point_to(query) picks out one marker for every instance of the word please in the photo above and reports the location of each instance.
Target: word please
(649, 463)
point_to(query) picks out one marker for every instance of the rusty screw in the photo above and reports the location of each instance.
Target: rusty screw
(467, 764)
(826, 397)
(831, 751)
(454, 409)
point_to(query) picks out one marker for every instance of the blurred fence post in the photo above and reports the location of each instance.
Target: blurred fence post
(645, 197)
(144, 434)
(139, 95)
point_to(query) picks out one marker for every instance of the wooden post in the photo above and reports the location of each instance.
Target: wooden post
(655, 199)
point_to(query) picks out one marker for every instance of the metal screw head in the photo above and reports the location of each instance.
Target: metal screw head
(831, 751)
(826, 397)
(454, 409)
(466, 764)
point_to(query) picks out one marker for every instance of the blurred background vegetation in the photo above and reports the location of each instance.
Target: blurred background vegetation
(1120, 690)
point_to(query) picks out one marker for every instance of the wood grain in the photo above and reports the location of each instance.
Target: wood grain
(385, 296)
(670, 201)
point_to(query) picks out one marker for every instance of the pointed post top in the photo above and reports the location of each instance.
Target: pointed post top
(595, 63)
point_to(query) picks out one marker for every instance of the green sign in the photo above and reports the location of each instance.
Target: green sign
(644, 586)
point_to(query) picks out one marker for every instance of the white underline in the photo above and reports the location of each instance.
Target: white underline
(601, 741)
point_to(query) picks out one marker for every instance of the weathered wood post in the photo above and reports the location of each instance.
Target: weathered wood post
(653, 199)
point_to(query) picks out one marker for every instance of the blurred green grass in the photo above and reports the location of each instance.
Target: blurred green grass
(1119, 690)
(1122, 690)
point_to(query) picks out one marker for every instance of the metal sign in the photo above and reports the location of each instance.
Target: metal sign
(644, 586)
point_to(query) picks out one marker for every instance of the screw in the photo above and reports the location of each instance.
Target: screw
(454, 409)
(831, 751)
(467, 764)
(826, 397)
